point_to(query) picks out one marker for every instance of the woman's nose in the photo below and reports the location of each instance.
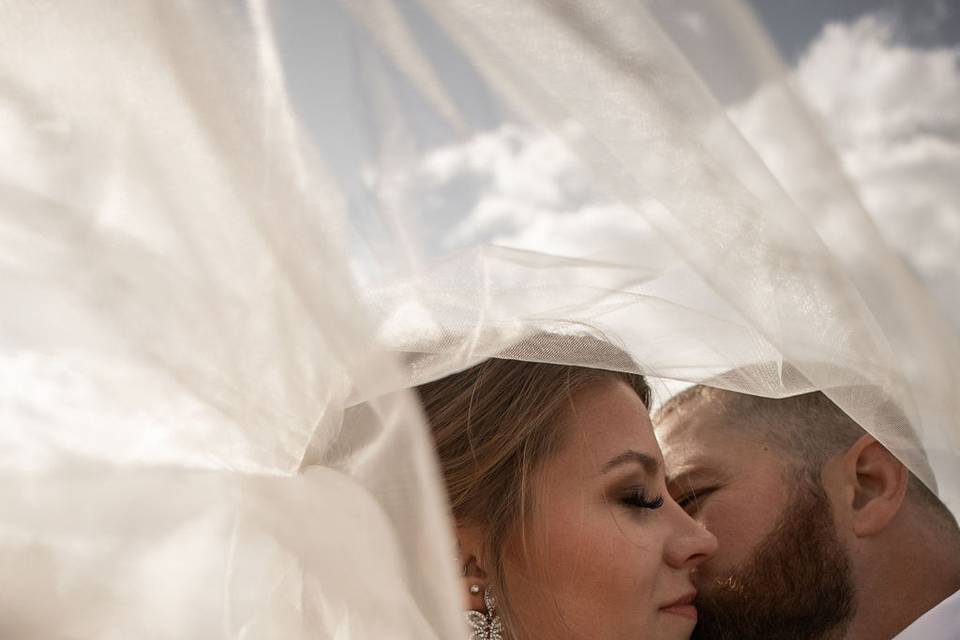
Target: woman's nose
(692, 544)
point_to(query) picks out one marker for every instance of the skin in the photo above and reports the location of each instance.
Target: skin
(731, 484)
(599, 568)
(902, 562)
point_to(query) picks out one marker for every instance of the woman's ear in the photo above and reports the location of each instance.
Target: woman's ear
(877, 485)
(470, 545)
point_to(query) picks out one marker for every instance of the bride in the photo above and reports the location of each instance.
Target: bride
(564, 523)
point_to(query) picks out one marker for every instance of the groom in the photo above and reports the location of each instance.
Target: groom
(823, 533)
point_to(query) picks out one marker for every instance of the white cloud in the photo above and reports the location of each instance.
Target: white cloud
(890, 113)
(889, 110)
(893, 113)
(521, 163)
(526, 190)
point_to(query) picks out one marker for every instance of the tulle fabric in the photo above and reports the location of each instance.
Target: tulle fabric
(180, 335)
(234, 235)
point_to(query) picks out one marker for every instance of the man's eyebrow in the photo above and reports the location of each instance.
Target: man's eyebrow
(650, 464)
(686, 479)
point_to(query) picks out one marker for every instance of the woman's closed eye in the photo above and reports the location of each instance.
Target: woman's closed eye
(636, 498)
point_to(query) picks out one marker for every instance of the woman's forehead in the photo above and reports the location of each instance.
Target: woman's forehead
(608, 420)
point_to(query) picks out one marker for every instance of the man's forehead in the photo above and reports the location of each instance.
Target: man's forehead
(689, 421)
(703, 440)
(703, 468)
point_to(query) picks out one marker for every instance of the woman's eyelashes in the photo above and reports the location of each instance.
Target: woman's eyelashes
(636, 498)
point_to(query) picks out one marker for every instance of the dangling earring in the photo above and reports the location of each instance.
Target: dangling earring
(485, 626)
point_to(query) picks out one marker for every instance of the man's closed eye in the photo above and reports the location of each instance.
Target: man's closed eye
(693, 499)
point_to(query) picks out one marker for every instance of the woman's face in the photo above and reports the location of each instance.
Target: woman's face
(608, 552)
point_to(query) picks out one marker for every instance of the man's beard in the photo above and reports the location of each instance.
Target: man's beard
(796, 585)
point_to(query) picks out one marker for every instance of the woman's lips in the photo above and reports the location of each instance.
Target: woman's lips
(683, 606)
(685, 610)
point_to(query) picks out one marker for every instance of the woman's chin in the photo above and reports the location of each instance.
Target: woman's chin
(677, 623)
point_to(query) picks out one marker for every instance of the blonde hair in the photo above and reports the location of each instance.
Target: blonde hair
(494, 425)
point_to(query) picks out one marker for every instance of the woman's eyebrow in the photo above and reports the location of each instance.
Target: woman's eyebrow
(650, 464)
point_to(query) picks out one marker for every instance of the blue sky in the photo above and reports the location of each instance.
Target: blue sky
(794, 24)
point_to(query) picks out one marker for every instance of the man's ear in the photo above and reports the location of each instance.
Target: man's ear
(878, 482)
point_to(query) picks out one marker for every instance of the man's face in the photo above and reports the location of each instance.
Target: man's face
(728, 482)
(780, 570)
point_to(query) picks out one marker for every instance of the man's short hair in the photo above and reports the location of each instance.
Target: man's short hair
(807, 428)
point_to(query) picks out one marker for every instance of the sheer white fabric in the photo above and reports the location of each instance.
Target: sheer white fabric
(180, 333)
(219, 223)
(940, 622)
